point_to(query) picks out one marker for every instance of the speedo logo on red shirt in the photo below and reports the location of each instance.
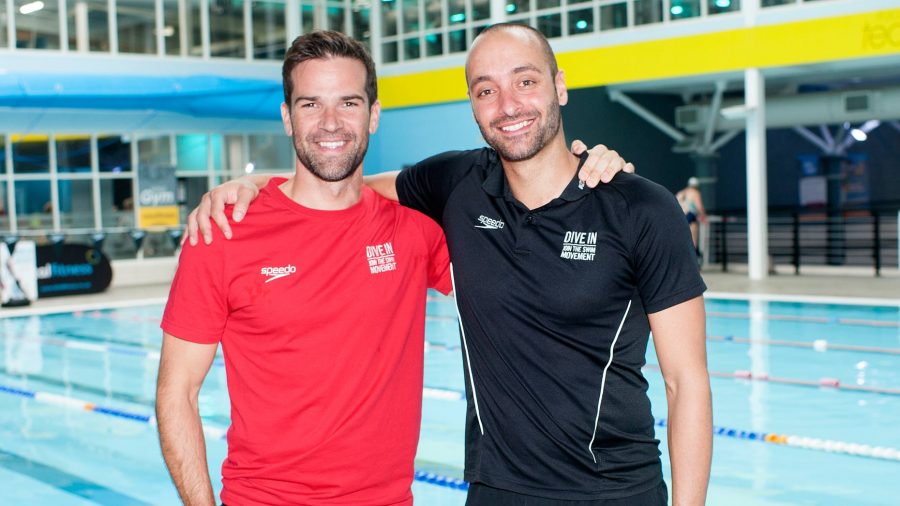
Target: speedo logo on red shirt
(274, 273)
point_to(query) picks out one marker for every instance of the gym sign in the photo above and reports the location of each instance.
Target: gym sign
(157, 203)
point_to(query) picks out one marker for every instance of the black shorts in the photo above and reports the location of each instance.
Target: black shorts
(483, 495)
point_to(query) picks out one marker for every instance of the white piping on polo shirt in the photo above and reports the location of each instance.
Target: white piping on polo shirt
(462, 332)
(603, 382)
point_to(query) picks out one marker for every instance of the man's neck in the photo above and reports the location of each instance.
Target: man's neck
(542, 178)
(309, 191)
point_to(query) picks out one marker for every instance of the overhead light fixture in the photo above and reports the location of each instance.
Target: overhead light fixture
(458, 17)
(859, 135)
(249, 168)
(31, 7)
(723, 4)
(510, 7)
(677, 10)
(581, 24)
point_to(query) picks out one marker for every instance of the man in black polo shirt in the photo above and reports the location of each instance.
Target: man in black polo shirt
(557, 287)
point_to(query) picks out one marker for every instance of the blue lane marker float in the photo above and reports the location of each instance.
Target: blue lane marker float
(826, 445)
(441, 481)
(213, 432)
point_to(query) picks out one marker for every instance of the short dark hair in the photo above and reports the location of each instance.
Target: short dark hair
(324, 44)
(542, 40)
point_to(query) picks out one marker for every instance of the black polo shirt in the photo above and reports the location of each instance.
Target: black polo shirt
(553, 307)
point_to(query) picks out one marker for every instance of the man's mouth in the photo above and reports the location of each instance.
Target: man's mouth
(515, 127)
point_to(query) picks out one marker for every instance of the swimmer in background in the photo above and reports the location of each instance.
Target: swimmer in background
(692, 204)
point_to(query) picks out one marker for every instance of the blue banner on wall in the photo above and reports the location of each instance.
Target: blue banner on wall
(70, 269)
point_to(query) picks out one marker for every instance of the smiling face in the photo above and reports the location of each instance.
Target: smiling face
(515, 97)
(329, 116)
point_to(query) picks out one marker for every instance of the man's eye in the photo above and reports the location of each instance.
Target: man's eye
(528, 82)
(485, 92)
(349, 104)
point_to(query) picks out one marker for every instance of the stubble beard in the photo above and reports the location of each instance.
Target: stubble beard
(518, 150)
(331, 168)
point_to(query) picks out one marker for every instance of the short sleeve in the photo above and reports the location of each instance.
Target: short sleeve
(665, 262)
(197, 308)
(427, 185)
(438, 259)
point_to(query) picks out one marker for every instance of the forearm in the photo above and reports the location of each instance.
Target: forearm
(184, 448)
(690, 439)
(384, 184)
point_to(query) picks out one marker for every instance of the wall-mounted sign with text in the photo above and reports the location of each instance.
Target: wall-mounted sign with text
(70, 269)
(157, 204)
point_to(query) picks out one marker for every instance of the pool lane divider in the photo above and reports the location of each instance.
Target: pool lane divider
(826, 445)
(808, 443)
(820, 345)
(210, 431)
(833, 383)
(809, 319)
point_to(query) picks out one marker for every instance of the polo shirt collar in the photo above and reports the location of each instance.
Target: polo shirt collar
(495, 180)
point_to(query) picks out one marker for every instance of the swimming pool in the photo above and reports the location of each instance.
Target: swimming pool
(806, 406)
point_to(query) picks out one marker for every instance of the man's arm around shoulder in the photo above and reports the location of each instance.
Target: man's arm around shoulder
(679, 336)
(182, 367)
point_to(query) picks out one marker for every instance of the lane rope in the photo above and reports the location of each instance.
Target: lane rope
(826, 445)
(833, 383)
(820, 345)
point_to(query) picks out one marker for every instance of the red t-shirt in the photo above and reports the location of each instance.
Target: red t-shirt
(321, 316)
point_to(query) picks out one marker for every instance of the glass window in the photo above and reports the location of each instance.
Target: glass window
(456, 12)
(190, 190)
(681, 9)
(411, 49)
(613, 16)
(116, 202)
(3, 24)
(434, 44)
(517, 6)
(73, 153)
(389, 52)
(76, 203)
(307, 16)
(93, 15)
(647, 11)
(481, 9)
(4, 206)
(581, 21)
(457, 41)
(136, 20)
(268, 30)
(719, 6)
(154, 152)
(194, 29)
(546, 4)
(37, 24)
(335, 14)
(2, 154)
(410, 16)
(226, 28)
(361, 30)
(433, 14)
(171, 27)
(769, 3)
(271, 152)
(192, 152)
(550, 25)
(33, 205)
(31, 154)
(388, 18)
(113, 154)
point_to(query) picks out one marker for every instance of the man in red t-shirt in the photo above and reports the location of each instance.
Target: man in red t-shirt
(319, 304)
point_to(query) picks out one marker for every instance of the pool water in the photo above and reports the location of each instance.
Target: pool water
(817, 381)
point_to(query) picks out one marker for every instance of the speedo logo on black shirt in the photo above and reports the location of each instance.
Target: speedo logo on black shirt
(579, 245)
(489, 223)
